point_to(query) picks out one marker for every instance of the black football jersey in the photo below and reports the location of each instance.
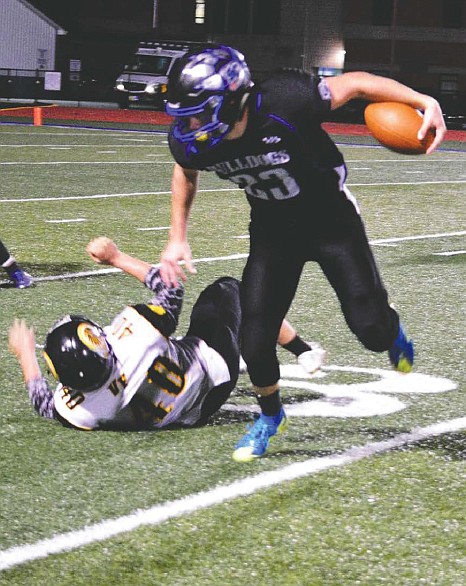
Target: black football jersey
(285, 161)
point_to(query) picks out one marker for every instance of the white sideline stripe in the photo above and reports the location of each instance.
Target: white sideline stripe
(111, 270)
(65, 221)
(85, 133)
(100, 196)
(458, 159)
(202, 500)
(221, 258)
(454, 182)
(74, 146)
(107, 195)
(404, 238)
(420, 237)
(453, 253)
(24, 163)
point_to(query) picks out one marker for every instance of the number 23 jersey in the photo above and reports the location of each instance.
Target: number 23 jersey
(285, 162)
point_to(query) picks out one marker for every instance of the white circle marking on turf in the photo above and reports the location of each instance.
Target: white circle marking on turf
(358, 399)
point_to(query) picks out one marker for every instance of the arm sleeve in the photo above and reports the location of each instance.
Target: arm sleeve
(165, 307)
(41, 397)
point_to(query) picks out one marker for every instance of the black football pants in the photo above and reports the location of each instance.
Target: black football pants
(216, 318)
(4, 254)
(338, 243)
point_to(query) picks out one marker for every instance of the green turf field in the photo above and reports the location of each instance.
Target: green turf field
(368, 485)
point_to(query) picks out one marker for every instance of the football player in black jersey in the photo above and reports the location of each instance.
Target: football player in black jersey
(269, 141)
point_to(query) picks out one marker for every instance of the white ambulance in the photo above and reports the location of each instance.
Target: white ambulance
(144, 81)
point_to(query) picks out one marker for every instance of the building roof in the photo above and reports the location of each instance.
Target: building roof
(53, 24)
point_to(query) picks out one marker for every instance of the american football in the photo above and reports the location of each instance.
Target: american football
(395, 126)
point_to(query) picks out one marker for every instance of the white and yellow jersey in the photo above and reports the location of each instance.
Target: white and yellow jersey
(159, 380)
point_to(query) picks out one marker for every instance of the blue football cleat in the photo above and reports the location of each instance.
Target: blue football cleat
(255, 442)
(21, 279)
(401, 353)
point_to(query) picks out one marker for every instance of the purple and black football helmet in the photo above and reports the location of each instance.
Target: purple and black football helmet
(212, 85)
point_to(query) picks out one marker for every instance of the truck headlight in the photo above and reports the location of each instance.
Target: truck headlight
(120, 86)
(151, 88)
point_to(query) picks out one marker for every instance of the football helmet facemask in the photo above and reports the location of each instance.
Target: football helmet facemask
(207, 93)
(78, 354)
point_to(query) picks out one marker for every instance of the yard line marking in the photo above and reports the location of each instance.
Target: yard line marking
(65, 221)
(238, 256)
(411, 161)
(154, 229)
(453, 182)
(219, 190)
(100, 195)
(420, 237)
(202, 500)
(72, 145)
(86, 132)
(22, 163)
(135, 140)
(112, 270)
(453, 253)
(385, 241)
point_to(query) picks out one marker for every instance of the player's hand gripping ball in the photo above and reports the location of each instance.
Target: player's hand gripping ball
(395, 126)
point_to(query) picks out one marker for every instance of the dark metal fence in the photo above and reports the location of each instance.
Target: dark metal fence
(29, 84)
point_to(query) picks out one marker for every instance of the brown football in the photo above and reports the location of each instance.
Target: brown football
(395, 125)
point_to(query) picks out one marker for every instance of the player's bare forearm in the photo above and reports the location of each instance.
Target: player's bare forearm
(132, 266)
(184, 188)
(374, 88)
(105, 251)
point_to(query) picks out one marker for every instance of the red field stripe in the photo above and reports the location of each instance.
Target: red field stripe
(160, 118)
(104, 115)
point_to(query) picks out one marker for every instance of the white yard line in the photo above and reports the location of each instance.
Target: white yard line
(112, 270)
(153, 229)
(203, 500)
(65, 221)
(458, 159)
(56, 163)
(131, 194)
(420, 237)
(452, 253)
(238, 256)
(97, 196)
(79, 146)
(454, 182)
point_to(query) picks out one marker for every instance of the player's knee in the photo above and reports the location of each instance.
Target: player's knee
(375, 337)
(373, 321)
(228, 285)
